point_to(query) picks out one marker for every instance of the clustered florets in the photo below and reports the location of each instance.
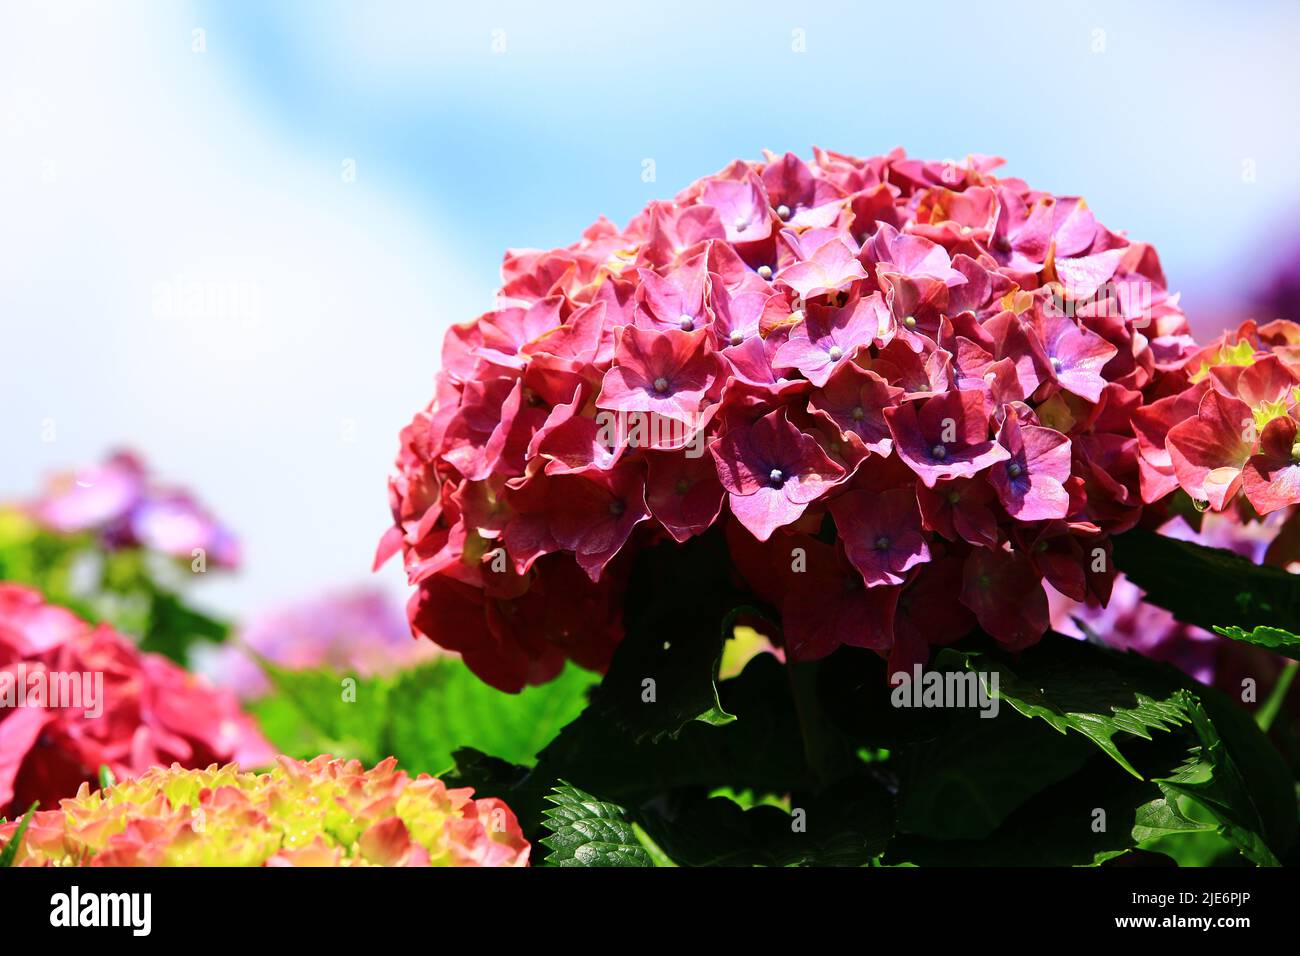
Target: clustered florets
(123, 507)
(75, 697)
(325, 812)
(892, 383)
(1231, 428)
(358, 631)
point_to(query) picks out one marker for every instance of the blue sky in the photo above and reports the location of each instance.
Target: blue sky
(1173, 119)
(202, 145)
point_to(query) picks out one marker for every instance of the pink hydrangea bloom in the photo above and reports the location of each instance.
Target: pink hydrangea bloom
(1229, 431)
(132, 711)
(772, 470)
(118, 502)
(358, 632)
(970, 380)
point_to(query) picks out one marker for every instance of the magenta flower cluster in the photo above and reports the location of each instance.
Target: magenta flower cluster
(122, 505)
(903, 389)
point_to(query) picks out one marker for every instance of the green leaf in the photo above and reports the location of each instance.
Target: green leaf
(420, 716)
(329, 713)
(849, 824)
(1099, 693)
(680, 610)
(964, 784)
(106, 778)
(761, 751)
(1084, 820)
(1211, 778)
(439, 707)
(9, 852)
(1207, 586)
(1271, 782)
(588, 832)
(1273, 638)
(1163, 816)
(1176, 736)
(174, 627)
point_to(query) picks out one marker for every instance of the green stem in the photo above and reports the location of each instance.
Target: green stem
(1268, 713)
(819, 746)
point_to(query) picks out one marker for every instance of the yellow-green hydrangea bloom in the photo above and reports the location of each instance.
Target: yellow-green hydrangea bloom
(323, 812)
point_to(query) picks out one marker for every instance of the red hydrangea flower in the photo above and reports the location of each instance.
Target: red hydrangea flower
(907, 393)
(881, 532)
(1031, 482)
(948, 438)
(666, 372)
(772, 471)
(114, 707)
(1229, 430)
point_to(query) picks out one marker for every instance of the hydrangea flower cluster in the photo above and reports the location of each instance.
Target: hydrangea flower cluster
(891, 382)
(119, 503)
(323, 813)
(1229, 430)
(360, 632)
(75, 697)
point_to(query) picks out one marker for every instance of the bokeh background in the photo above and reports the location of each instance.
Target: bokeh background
(233, 233)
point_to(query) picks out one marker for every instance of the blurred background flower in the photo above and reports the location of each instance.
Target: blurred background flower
(119, 504)
(361, 632)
